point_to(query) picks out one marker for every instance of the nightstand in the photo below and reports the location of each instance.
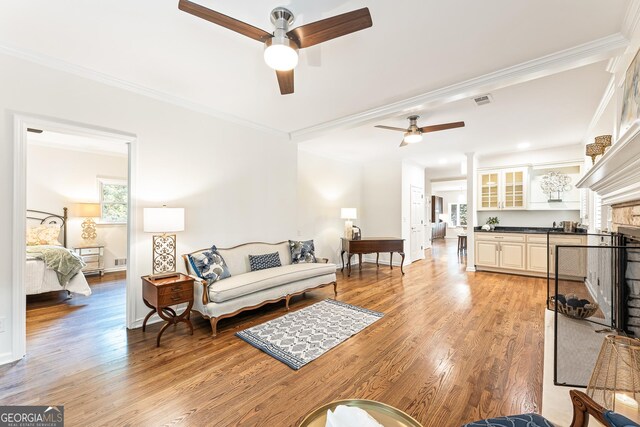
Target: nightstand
(160, 294)
(93, 256)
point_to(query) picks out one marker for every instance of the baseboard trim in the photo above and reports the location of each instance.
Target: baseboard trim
(115, 269)
(7, 358)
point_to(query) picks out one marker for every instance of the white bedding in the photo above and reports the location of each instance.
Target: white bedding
(39, 279)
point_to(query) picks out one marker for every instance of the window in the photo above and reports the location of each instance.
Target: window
(113, 201)
(458, 214)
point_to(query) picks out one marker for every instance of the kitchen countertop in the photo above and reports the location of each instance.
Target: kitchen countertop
(527, 230)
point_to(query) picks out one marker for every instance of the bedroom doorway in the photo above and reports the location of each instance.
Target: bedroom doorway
(74, 212)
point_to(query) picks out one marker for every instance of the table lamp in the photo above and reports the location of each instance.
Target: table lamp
(615, 381)
(163, 220)
(348, 214)
(88, 211)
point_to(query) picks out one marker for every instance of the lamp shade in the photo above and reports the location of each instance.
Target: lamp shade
(163, 220)
(87, 210)
(348, 213)
(615, 381)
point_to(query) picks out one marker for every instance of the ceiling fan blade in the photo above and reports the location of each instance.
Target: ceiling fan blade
(285, 80)
(444, 126)
(224, 20)
(331, 28)
(390, 128)
(403, 143)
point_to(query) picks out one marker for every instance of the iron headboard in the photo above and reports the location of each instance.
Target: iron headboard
(51, 218)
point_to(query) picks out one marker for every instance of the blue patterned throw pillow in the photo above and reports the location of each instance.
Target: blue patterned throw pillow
(302, 251)
(262, 262)
(209, 265)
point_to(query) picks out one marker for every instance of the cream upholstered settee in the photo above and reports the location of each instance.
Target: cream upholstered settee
(246, 289)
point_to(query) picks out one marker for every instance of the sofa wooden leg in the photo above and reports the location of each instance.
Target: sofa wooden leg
(335, 288)
(286, 301)
(214, 325)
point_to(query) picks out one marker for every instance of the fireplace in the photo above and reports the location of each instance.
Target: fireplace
(628, 237)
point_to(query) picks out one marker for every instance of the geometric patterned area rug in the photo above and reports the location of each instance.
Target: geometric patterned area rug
(298, 338)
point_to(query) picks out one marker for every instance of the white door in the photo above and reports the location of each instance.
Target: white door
(417, 223)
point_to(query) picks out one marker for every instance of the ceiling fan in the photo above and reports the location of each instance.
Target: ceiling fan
(413, 133)
(281, 46)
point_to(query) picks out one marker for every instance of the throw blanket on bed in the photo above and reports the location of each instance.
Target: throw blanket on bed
(65, 263)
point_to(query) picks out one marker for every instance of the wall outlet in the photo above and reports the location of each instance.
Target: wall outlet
(2, 324)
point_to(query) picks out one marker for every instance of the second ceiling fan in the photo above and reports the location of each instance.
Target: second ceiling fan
(413, 133)
(281, 46)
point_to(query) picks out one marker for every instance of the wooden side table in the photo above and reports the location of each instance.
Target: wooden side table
(160, 294)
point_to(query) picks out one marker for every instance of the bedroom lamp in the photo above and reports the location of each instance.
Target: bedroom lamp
(615, 381)
(348, 214)
(88, 211)
(163, 220)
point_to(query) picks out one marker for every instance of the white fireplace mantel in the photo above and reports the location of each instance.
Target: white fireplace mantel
(616, 175)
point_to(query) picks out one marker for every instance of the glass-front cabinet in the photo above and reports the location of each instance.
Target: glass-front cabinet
(502, 189)
(514, 189)
(488, 190)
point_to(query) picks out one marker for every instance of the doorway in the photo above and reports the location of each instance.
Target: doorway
(25, 127)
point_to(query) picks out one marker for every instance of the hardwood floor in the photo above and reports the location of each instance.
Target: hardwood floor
(453, 347)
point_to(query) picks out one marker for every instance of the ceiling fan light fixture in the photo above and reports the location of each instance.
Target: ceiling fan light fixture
(281, 54)
(412, 137)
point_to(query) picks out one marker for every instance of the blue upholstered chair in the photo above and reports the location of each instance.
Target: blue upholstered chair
(583, 406)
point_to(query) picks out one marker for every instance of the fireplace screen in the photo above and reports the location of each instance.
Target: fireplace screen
(582, 284)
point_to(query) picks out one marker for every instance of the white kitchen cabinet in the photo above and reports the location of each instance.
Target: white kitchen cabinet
(512, 255)
(537, 257)
(503, 251)
(528, 254)
(503, 189)
(487, 254)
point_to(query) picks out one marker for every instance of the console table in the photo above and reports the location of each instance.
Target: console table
(370, 245)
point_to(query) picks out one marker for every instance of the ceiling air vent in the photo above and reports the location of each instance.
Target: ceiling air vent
(483, 99)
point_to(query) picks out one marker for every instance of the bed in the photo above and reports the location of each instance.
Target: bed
(39, 278)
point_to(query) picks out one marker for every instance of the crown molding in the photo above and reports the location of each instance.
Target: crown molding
(631, 19)
(578, 56)
(106, 79)
(604, 102)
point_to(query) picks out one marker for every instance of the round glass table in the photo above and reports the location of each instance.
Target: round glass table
(386, 415)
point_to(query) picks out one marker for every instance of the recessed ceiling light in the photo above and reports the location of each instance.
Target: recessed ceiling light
(524, 145)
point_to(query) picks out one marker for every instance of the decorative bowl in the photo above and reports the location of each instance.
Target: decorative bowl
(572, 306)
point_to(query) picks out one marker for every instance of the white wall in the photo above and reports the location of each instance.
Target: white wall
(58, 177)
(324, 186)
(412, 176)
(547, 155)
(236, 183)
(381, 201)
(529, 218)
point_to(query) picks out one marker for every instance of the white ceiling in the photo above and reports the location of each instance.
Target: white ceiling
(547, 112)
(414, 47)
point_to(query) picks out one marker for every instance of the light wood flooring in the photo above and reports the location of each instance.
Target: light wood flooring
(452, 347)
